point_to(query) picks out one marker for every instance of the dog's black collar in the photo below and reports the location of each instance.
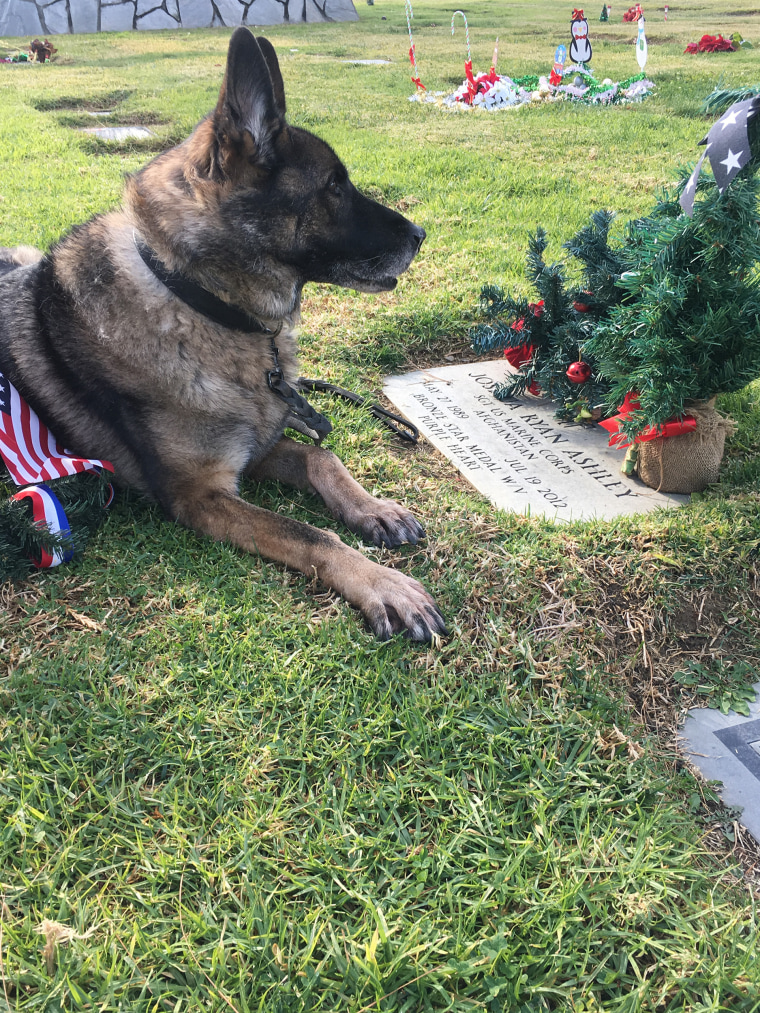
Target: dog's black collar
(200, 299)
(302, 416)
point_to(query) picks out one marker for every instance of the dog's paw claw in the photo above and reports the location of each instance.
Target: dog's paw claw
(397, 604)
(386, 523)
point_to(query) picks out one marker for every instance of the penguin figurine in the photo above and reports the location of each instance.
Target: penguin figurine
(580, 47)
(641, 45)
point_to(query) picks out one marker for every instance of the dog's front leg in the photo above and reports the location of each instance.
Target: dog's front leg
(380, 521)
(390, 601)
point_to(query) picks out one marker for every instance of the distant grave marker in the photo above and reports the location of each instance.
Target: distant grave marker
(726, 748)
(117, 133)
(516, 453)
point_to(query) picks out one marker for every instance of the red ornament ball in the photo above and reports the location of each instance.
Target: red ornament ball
(578, 372)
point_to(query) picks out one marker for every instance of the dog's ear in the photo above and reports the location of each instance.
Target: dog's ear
(252, 97)
(273, 64)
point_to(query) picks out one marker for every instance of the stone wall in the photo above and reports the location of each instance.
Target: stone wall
(53, 17)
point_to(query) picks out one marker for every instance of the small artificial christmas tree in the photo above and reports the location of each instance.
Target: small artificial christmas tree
(688, 325)
(547, 339)
(664, 321)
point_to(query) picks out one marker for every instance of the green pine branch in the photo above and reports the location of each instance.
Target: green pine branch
(83, 498)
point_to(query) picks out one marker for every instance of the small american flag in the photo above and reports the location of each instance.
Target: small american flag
(28, 448)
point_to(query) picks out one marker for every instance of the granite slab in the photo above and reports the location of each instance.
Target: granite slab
(516, 453)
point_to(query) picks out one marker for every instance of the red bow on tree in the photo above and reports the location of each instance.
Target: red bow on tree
(673, 427)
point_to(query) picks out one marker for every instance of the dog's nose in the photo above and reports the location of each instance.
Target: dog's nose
(418, 236)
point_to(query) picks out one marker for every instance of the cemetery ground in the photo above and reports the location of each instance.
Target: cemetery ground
(217, 790)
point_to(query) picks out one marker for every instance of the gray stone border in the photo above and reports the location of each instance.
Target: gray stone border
(61, 17)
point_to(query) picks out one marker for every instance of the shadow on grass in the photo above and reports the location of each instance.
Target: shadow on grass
(104, 100)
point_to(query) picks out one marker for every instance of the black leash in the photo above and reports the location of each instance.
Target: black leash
(317, 425)
(396, 423)
(303, 417)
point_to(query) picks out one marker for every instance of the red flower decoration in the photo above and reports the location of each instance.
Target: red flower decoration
(711, 44)
(518, 357)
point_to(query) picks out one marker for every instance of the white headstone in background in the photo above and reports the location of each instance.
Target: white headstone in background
(516, 453)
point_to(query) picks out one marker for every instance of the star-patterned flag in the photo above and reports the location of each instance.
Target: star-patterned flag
(727, 147)
(28, 448)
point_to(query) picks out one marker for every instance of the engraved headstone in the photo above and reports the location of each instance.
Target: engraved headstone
(516, 453)
(726, 748)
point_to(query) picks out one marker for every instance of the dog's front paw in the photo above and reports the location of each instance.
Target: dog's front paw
(394, 603)
(383, 522)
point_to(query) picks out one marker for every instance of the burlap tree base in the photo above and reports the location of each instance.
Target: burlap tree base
(687, 463)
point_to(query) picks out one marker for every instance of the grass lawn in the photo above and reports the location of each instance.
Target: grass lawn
(217, 790)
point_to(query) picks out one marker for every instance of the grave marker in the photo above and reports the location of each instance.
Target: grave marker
(516, 453)
(726, 748)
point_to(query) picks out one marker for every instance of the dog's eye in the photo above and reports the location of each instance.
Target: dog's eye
(334, 187)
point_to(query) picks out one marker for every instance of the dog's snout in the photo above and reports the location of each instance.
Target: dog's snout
(418, 237)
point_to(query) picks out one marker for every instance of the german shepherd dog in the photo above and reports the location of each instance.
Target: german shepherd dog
(162, 336)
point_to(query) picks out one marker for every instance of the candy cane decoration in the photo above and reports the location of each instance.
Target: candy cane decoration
(466, 32)
(492, 75)
(471, 86)
(412, 52)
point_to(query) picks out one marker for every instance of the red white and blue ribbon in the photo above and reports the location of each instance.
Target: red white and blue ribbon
(48, 514)
(32, 456)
